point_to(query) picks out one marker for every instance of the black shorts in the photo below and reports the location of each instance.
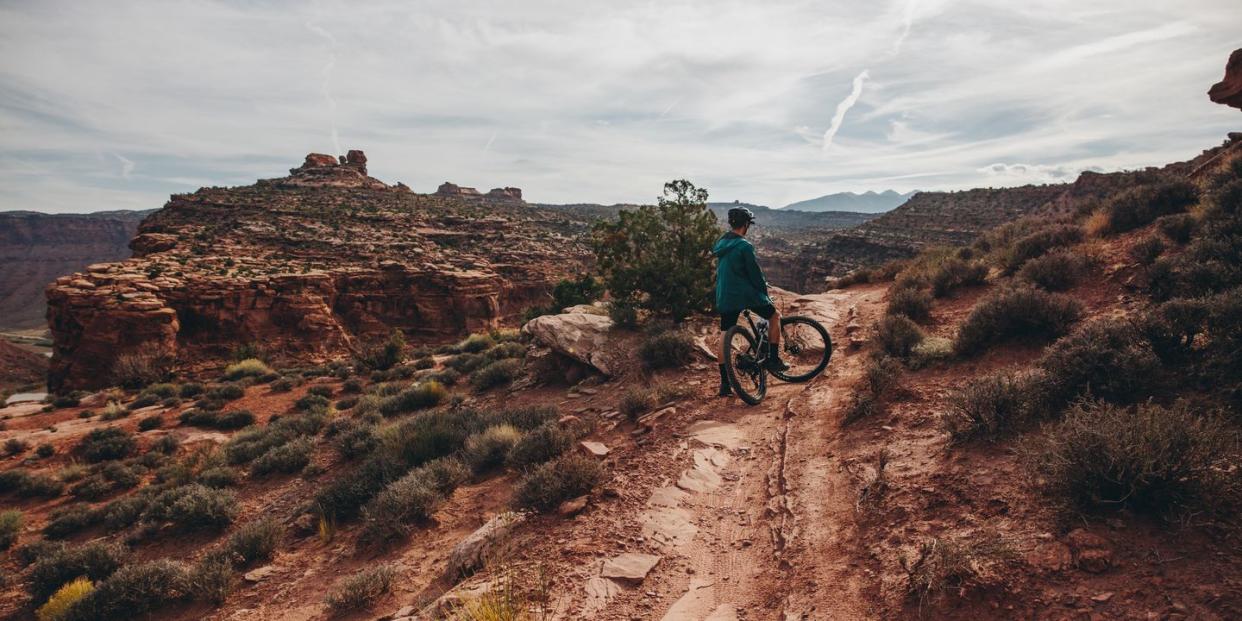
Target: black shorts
(728, 320)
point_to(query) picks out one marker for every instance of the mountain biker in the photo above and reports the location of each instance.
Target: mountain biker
(740, 286)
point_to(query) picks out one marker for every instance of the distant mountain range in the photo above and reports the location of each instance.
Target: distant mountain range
(867, 202)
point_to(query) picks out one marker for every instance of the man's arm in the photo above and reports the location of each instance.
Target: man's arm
(753, 272)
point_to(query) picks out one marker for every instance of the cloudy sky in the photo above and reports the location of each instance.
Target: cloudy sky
(116, 105)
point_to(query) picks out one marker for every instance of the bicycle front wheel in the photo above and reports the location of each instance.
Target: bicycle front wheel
(744, 367)
(805, 347)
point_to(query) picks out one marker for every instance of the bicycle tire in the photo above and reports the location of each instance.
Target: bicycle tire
(823, 363)
(735, 375)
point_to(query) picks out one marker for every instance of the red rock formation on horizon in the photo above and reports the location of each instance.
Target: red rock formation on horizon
(1229, 90)
(306, 266)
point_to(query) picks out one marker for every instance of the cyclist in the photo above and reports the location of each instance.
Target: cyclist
(739, 286)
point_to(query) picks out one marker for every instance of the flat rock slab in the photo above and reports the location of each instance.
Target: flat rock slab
(666, 497)
(696, 604)
(669, 526)
(699, 480)
(256, 575)
(632, 566)
(715, 433)
(594, 448)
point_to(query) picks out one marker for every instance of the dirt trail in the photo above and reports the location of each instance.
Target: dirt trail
(760, 523)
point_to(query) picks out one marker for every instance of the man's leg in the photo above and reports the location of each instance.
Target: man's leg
(774, 328)
(725, 324)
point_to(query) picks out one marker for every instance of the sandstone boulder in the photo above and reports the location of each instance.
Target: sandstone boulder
(631, 566)
(1229, 90)
(319, 160)
(470, 553)
(581, 336)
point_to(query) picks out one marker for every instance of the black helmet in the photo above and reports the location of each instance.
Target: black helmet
(740, 216)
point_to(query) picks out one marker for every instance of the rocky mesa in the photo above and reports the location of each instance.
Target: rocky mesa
(307, 266)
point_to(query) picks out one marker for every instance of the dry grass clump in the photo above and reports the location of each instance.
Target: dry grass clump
(53, 567)
(10, 527)
(991, 406)
(361, 589)
(133, 591)
(255, 541)
(420, 396)
(250, 367)
(1018, 313)
(544, 443)
(57, 607)
(489, 448)
(1148, 458)
(943, 565)
(498, 373)
(286, 458)
(547, 486)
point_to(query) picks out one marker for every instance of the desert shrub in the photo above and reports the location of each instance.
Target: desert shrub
(674, 282)
(166, 445)
(284, 384)
(311, 402)
(424, 363)
(1145, 251)
(13, 480)
(71, 519)
(1056, 271)
(150, 422)
(898, 335)
(234, 419)
(10, 527)
(444, 377)
(67, 400)
(212, 578)
(352, 386)
(361, 589)
(225, 392)
(506, 350)
(135, 370)
(666, 350)
(59, 604)
(143, 400)
(1150, 458)
(465, 362)
(912, 302)
(1179, 228)
(1038, 243)
(990, 406)
(250, 367)
(320, 391)
(540, 445)
(635, 401)
(487, 449)
(955, 273)
(15, 446)
(548, 485)
(56, 566)
(387, 389)
(190, 390)
(132, 591)
(107, 443)
(123, 512)
(420, 396)
(37, 485)
(446, 473)
(582, 290)
(161, 391)
(356, 440)
(409, 500)
(1108, 358)
(475, 343)
(286, 458)
(1141, 205)
(528, 417)
(193, 507)
(219, 477)
(624, 315)
(960, 565)
(1019, 313)
(381, 356)
(255, 541)
(498, 373)
(881, 374)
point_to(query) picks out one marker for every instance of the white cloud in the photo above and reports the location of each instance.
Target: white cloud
(601, 103)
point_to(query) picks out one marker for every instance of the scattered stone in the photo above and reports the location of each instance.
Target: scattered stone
(257, 575)
(469, 553)
(1092, 552)
(593, 448)
(572, 507)
(632, 566)
(1103, 597)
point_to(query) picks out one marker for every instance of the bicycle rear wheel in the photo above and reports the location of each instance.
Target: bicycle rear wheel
(747, 376)
(805, 347)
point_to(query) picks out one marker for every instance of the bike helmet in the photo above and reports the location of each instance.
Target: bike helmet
(740, 216)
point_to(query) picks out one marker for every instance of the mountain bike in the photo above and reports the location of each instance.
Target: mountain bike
(805, 347)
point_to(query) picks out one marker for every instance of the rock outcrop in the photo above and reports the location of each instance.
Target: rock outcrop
(580, 336)
(308, 267)
(1229, 90)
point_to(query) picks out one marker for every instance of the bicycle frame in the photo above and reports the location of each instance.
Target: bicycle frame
(759, 327)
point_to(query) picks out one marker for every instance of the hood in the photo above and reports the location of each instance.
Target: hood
(728, 243)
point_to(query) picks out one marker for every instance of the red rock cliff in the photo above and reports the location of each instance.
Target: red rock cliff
(307, 266)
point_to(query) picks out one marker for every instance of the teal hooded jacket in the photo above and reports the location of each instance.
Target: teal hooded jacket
(739, 281)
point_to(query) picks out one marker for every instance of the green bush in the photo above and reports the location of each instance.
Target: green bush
(225, 393)
(465, 362)
(311, 402)
(133, 591)
(143, 400)
(1040, 242)
(881, 374)
(1107, 358)
(542, 444)
(383, 355)
(255, 541)
(1144, 204)
(506, 350)
(37, 485)
(583, 290)
(54, 567)
(444, 377)
(286, 458)
(10, 527)
(407, 501)
(107, 443)
(669, 349)
(1150, 459)
(124, 512)
(66, 401)
(1019, 313)
(677, 280)
(219, 477)
(322, 390)
(475, 343)
(284, 384)
(190, 390)
(193, 507)
(545, 487)
(624, 315)
(361, 589)
(498, 373)
(150, 422)
(1056, 271)
(250, 367)
(356, 440)
(954, 273)
(420, 396)
(636, 400)
(898, 335)
(913, 303)
(235, 419)
(488, 449)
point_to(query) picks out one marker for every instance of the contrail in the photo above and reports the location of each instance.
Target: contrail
(907, 20)
(488, 146)
(844, 107)
(326, 89)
